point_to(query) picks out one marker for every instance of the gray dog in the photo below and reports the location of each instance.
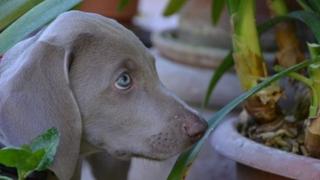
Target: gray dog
(95, 81)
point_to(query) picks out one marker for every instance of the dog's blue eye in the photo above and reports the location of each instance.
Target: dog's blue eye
(123, 81)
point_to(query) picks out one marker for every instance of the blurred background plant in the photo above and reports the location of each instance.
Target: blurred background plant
(263, 105)
(19, 18)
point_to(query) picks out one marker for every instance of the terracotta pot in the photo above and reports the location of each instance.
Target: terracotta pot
(256, 161)
(109, 8)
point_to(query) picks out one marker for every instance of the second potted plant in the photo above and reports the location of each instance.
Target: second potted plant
(268, 123)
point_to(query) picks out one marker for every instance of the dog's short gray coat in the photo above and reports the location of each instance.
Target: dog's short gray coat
(65, 77)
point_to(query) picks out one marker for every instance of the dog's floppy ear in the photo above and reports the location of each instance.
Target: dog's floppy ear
(35, 95)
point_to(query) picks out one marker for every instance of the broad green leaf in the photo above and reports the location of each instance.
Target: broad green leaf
(12, 157)
(122, 4)
(38, 155)
(312, 20)
(216, 10)
(22, 159)
(173, 7)
(48, 141)
(13, 9)
(34, 19)
(185, 159)
(224, 67)
(31, 162)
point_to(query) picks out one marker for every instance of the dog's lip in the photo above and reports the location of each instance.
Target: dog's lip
(158, 157)
(123, 155)
(154, 158)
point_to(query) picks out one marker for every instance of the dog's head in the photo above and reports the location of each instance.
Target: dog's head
(95, 81)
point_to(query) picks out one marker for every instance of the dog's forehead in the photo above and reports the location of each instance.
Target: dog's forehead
(69, 26)
(71, 29)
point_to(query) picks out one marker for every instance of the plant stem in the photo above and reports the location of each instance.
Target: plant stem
(249, 62)
(314, 50)
(289, 51)
(295, 76)
(21, 175)
(309, 83)
(312, 132)
(247, 54)
(314, 72)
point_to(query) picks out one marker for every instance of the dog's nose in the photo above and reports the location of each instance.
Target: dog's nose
(195, 129)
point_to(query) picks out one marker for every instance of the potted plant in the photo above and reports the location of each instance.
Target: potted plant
(18, 19)
(197, 45)
(267, 124)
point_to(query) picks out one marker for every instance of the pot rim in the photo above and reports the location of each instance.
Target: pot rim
(186, 53)
(175, 49)
(227, 141)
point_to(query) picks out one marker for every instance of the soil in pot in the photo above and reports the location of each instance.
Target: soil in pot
(257, 161)
(285, 133)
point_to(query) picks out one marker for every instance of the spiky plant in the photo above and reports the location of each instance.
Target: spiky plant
(251, 68)
(249, 62)
(19, 18)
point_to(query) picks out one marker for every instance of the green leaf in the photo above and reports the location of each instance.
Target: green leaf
(22, 159)
(312, 20)
(38, 155)
(13, 157)
(13, 9)
(216, 10)
(122, 4)
(225, 66)
(34, 19)
(31, 162)
(173, 7)
(48, 141)
(185, 159)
